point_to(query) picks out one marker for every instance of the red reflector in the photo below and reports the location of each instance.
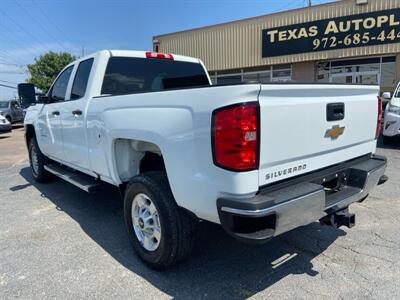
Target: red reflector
(159, 55)
(379, 119)
(235, 137)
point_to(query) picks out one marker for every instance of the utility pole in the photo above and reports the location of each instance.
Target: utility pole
(309, 3)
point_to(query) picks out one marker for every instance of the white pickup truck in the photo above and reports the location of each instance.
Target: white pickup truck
(259, 159)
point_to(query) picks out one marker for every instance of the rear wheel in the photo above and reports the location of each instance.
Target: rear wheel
(161, 232)
(37, 162)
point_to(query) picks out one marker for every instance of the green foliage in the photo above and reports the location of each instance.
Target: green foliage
(46, 68)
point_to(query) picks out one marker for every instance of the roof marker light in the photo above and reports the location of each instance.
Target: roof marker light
(159, 55)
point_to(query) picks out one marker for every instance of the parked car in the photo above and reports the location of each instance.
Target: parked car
(12, 111)
(5, 126)
(259, 159)
(391, 120)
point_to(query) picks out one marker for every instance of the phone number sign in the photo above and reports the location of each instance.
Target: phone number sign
(360, 30)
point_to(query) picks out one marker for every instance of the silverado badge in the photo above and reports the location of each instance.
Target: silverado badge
(334, 132)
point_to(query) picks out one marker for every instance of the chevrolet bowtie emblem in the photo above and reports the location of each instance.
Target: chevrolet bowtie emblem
(334, 132)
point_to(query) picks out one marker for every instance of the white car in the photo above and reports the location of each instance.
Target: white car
(391, 120)
(259, 159)
(5, 125)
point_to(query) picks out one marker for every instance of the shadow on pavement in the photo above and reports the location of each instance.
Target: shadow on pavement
(220, 267)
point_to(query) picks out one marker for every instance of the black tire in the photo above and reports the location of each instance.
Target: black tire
(9, 119)
(177, 225)
(40, 174)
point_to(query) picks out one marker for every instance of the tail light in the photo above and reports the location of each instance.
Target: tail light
(379, 119)
(159, 55)
(235, 137)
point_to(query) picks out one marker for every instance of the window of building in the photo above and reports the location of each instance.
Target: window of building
(81, 79)
(377, 70)
(262, 77)
(251, 77)
(270, 74)
(229, 79)
(281, 75)
(323, 70)
(213, 78)
(388, 74)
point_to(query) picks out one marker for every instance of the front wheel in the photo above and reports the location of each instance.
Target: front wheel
(37, 162)
(161, 233)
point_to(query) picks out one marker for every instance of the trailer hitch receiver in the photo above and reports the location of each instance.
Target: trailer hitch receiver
(339, 219)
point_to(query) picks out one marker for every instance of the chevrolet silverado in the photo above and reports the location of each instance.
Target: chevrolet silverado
(259, 159)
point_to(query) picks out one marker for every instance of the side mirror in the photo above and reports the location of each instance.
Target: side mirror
(387, 96)
(26, 93)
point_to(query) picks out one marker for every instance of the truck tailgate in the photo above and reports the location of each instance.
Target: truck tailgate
(296, 135)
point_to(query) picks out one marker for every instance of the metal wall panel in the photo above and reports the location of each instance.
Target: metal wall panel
(238, 44)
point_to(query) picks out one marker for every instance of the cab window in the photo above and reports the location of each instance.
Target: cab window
(59, 88)
(81, 79)
(130, 75)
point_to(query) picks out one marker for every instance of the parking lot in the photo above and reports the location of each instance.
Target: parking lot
(58, 241)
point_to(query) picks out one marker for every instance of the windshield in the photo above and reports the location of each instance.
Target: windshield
(4, 104)
(129, 75)
(397, 93)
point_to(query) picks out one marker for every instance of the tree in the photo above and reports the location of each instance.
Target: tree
(46, 68)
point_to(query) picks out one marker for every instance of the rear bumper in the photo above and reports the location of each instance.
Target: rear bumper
(300, 201)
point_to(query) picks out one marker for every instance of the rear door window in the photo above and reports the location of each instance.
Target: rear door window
(81, 79)
(130, 75)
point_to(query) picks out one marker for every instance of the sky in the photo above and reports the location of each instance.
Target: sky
(29, 28)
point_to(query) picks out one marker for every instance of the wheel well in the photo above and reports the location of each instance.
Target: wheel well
(134, 157)
(151, 162)
(29, 133)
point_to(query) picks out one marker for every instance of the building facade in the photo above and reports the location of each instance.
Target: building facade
(348, 41)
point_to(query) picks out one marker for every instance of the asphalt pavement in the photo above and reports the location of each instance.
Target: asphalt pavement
(56, 241)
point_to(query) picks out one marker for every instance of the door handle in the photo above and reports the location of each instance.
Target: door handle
(335, 111)
(77, 112)
(55, 113)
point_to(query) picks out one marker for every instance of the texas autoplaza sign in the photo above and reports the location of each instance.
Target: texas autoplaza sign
(368, 29)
